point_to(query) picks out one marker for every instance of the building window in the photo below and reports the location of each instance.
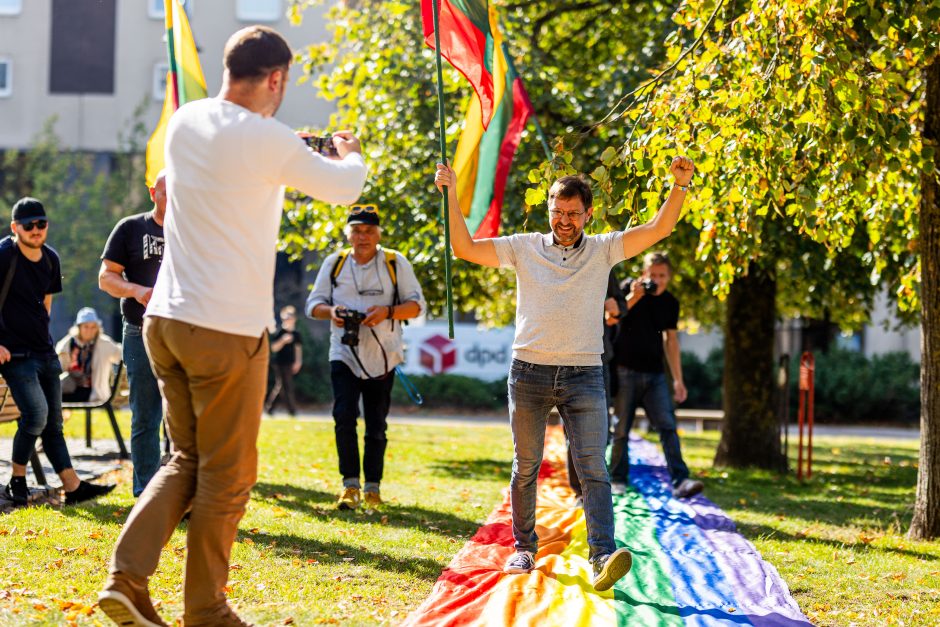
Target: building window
(83, 41)
(258, 10)
(11, 7)
(156, 10)
(159, 80)
(6, 77)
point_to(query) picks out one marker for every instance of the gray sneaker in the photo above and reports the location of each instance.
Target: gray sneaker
(618, 488)
(519, 564)
(609, 569)
(688, 488)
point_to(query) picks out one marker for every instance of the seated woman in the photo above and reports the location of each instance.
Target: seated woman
(87, 355)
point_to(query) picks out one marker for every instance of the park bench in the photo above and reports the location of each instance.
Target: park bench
(118, 393)
(10, 413)
(699, 417)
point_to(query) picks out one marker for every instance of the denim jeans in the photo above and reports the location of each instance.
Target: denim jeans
(37, 392)
(651, 392)
(573, 479)
(146, 408)
(376, 397)
(578, 393)
(283, 388)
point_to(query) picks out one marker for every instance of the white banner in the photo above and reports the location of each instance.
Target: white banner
(474, 351)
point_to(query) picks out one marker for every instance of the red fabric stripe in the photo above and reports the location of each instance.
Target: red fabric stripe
(464, 47)
(521, 110)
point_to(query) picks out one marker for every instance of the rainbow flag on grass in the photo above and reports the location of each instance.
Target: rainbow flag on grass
(690, 566)
(184, 80)
(472, 42)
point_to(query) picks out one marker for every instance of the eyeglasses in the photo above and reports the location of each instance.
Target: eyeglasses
(572, 215)
(38, 224)
(357, 209)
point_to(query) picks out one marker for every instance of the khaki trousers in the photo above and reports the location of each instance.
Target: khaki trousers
(213, 384)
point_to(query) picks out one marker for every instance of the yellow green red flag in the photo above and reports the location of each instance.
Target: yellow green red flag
(184, 82)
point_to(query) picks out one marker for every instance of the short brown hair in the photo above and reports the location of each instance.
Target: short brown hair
(655, 259)
(572, 186)
(254, 52)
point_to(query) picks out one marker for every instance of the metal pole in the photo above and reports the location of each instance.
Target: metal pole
(444, 202)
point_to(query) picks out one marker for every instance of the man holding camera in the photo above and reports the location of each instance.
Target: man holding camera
(647, 335)
(206, 324)
(561, 282)
(366, 292)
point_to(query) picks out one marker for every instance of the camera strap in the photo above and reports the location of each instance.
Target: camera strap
(355, 352)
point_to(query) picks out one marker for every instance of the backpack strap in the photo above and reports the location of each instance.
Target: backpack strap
(337, 268)
(7, 281)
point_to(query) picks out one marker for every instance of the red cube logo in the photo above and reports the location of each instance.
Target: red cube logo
(438, 354)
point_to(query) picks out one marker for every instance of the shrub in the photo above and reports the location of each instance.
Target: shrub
(451, 390)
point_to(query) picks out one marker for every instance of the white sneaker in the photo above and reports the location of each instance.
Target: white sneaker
(618, 488)
(519, 564)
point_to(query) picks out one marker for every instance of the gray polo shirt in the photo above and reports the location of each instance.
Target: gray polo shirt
(560, 295)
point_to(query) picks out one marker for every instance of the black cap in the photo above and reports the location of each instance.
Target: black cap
(28, 209)
(363, 214)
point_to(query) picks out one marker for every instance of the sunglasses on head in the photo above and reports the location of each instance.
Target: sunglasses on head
(39, 224)
(357, 209)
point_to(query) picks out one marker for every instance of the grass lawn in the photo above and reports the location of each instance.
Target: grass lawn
(837, 540)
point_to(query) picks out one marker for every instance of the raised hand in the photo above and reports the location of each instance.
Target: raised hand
(682, 169)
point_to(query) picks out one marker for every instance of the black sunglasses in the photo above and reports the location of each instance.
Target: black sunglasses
(39, 224)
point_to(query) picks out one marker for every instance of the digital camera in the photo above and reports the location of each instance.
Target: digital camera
(649, 285)
(351, 321)
(322, 145)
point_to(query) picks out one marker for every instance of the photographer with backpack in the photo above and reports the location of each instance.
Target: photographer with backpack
(366, 291)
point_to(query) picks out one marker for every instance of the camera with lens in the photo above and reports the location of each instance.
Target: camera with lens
(649, 285)
(351, 321)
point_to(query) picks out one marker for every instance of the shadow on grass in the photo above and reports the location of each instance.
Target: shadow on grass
(473, 468)
(291, 546)
(322, 506)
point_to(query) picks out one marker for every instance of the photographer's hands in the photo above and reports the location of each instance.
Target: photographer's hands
(375, 314)
(346, 143)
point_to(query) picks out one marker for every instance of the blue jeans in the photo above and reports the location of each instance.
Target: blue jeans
(146, 409)
(37, 391)
(578, 393)
(651, 392)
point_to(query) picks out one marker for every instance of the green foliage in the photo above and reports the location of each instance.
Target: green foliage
(703, 379)
(312, 383)
(453, 391)
(851, 388)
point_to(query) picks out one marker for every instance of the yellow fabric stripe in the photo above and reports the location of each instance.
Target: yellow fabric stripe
(500, 66)
(467, 157)
(155, 144)
(192, 83)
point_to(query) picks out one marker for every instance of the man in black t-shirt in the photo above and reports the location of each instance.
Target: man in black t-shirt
(648, 336)
(129, 267)
(288, 357)
(29, 275)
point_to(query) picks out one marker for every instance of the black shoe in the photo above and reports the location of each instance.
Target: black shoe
(688, 488)
(86, 492)
(17, 491)
(608, 569)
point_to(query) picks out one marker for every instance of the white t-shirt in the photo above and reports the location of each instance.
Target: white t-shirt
(227, 168)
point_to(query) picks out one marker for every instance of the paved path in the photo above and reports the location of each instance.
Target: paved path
(691, 567)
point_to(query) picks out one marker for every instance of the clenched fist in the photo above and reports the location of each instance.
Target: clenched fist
(682, 169)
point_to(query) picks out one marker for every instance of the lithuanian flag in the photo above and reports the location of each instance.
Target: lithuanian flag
(184, 81)
(473, 43)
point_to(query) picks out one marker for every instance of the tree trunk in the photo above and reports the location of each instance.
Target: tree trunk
(926, 522)
(750, 431)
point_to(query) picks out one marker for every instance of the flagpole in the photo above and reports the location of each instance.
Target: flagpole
(444, 202)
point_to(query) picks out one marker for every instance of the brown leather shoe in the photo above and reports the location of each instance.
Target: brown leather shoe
(226, 617)
(126, 601)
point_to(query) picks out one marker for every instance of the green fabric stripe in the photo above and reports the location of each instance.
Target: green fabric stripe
(641, 593)
(475, 10)
(171, 51)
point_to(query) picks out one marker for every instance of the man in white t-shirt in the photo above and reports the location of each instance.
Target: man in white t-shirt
(561, 284)
(228, 161)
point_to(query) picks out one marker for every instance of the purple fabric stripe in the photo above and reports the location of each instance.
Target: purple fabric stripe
(716, 568)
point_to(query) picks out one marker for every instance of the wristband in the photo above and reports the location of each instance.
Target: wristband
(684, 188)
(391, 312)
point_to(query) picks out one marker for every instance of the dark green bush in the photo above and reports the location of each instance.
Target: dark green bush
(313, 381)
(703, 379)
(451, 390)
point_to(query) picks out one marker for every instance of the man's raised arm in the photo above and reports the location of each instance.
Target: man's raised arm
(639, 238)
(481, 251)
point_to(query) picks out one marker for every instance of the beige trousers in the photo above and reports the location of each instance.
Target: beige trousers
(213, 384)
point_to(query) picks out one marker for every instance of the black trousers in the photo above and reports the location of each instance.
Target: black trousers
(376, 395)
(283, 388)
